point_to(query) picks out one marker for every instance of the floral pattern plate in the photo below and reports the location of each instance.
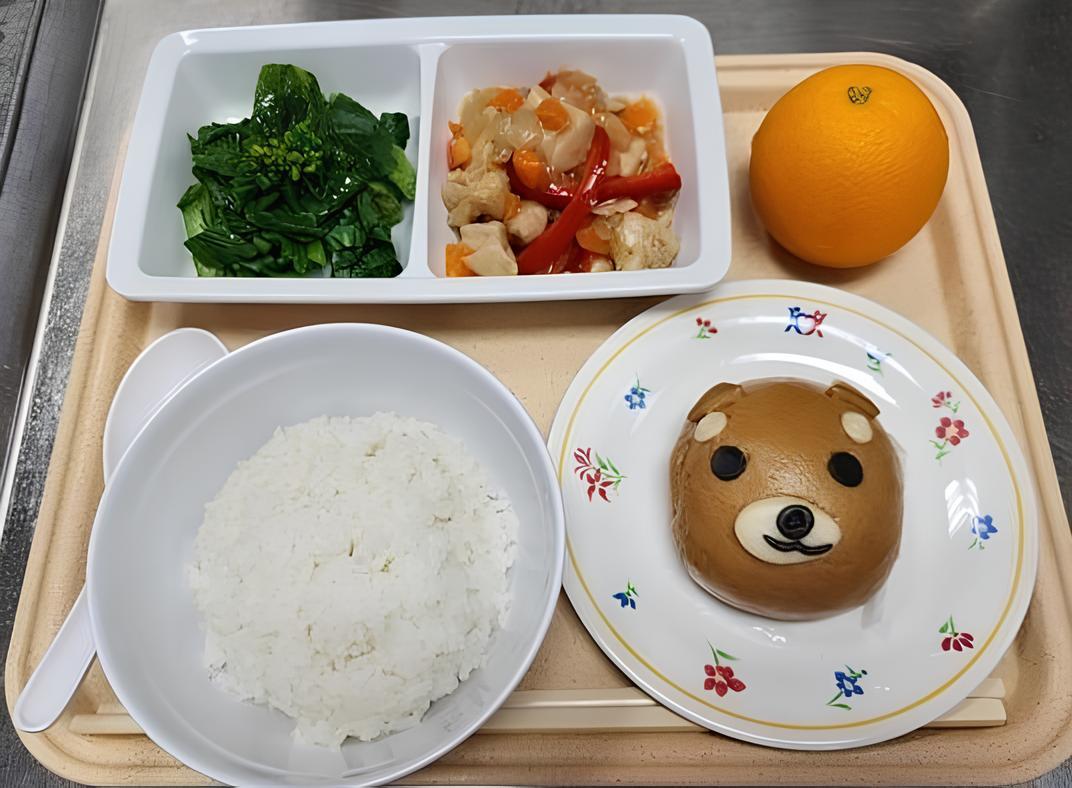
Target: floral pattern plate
(958, 590)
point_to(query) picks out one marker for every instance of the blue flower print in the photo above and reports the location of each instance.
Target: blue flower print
(637, 396)
(627, 598)
(982, 527)
(848, 685)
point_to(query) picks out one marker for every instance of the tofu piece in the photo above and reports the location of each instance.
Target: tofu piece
(529, 222)
(492, 255)
(639, 242)
(469, 194)
(572, 143)
(568, 148)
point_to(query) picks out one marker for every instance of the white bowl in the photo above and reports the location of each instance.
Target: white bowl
(421, 67)
(145, 624)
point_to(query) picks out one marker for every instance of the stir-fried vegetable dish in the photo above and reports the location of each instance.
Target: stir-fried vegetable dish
(558, 178)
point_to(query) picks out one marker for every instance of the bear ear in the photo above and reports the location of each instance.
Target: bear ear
(843, 392)
(856, 422)
(715, 398)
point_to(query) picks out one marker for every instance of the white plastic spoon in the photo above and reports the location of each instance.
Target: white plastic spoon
(162, 369)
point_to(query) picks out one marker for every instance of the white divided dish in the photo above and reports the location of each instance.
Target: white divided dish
(422, 67)
(147, 630)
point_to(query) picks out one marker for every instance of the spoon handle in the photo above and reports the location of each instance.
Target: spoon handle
(59, 673)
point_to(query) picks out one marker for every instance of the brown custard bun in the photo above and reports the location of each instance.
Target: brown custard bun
(787, 499)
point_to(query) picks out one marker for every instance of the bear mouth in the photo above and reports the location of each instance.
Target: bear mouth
(796, 546)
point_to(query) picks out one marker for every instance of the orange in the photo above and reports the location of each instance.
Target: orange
(848, 165)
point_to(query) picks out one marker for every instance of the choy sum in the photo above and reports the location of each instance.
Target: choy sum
(306, 182)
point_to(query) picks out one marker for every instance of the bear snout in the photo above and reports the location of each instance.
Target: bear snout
(786, 530)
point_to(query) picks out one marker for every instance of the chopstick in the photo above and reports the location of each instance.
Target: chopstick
(623, 710)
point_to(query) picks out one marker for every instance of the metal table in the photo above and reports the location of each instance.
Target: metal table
(1007, 59)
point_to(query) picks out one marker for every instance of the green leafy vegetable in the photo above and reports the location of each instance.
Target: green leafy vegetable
(305, 182)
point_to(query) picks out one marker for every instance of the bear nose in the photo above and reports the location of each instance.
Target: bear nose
(795, 522)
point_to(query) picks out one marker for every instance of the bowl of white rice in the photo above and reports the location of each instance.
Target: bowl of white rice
(328, 559)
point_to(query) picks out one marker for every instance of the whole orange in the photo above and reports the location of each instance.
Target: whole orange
(848, 165)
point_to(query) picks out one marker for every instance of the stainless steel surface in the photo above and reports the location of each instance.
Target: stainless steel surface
(1007, 59)
(42, 72)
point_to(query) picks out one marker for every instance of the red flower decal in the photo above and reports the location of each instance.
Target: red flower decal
(957, 641)
(600, 476)
(951, 430)
(719, 677)
(705, 329)
(944, 399)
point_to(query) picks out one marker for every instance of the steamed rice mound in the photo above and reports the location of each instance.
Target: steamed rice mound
(351, 572)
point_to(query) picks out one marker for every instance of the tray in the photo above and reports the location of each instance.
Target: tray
(951, 280)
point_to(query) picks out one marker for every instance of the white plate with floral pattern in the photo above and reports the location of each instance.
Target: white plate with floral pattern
(958, 590)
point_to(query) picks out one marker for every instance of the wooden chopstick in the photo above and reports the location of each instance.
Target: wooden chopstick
(621, 710)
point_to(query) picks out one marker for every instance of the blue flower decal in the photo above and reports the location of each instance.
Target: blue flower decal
(637, 396)
(848, 685)
(982, 527)
(627, 598)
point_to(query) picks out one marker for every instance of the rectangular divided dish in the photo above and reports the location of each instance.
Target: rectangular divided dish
(422, 67)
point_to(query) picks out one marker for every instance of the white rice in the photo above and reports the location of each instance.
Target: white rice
(351, 572)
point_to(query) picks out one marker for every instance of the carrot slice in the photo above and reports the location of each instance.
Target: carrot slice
(640, 116)
(552, 115)
(531, 169)
(507, 99)
(513, 206)
(589, 239)
(458, 152)
(455, 256)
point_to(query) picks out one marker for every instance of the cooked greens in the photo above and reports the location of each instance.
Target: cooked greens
(303, 183)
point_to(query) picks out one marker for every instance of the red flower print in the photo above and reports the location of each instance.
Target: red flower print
(951, 430)
(720, 677)
(958, 641)
(944, 399)
(706, 329)
(600, 476)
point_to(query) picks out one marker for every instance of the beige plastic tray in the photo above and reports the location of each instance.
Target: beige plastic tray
(951, 280)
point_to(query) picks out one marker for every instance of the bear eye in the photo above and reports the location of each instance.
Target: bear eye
(728, 462)
(845, 469)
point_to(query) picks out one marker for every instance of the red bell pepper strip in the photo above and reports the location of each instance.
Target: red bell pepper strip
(541, 255)
(663, 178)
(568, 260)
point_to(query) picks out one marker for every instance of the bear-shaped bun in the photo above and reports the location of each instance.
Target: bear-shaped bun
(787, 499)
